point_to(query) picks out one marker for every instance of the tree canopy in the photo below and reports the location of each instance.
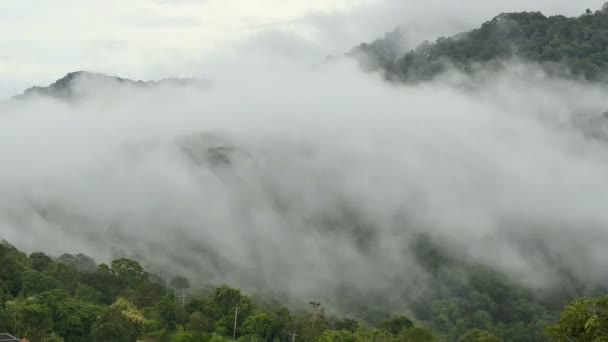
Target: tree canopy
(46, 299)
(572, 47)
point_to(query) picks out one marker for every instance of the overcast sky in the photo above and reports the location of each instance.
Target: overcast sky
(42, 40)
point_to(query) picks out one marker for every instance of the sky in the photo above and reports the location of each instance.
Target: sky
(149, 39)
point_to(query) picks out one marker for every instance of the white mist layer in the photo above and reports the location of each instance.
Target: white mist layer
(330, 175)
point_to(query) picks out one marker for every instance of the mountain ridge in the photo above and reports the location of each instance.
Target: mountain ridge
(572, 47)
(70, 86)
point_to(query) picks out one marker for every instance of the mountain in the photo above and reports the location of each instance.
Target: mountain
(572, 47)
(76, 84)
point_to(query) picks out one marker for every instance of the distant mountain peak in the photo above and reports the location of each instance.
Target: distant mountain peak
(77, 83)
(570, 47)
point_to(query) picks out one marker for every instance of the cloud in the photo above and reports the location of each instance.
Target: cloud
(302, 180)
(168, 38)
(330, 175)
(338, 31)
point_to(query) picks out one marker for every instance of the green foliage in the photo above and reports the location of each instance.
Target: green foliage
(35, 282)
(582, 320)
(576, 45)
(180, 283)
(182, 335)
(40, 261)
(169, 313)
(12, 264)
(105, 282)
(48, 300)
(114, 326)
(53, 338)
(337, 336)
(347, 324)
(72, 318)
(397, 324)
(218, 338)
(86, 293)
(79, 262)
(477, 335)
(259, 324)
(418, 334)
(128, 272)
(30, 318)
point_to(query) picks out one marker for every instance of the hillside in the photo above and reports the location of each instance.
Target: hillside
(79, 83)
(317, 204)
(71, 298)
(573, 47)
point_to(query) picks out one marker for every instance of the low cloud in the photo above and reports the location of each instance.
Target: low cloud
(301, 180)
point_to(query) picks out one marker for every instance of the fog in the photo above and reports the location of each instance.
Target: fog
(299, 180)
(338, 31)
(151, 39)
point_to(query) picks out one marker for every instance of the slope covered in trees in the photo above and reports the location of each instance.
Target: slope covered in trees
(77, 84)
(574, 47)
(72, 298)
(67, 299)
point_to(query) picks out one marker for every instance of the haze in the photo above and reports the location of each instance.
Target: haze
(329, 172)
(150, 39)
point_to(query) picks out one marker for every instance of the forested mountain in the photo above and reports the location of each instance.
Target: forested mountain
(70, 298)
(78, 83)
(573, 47)
(432, 290)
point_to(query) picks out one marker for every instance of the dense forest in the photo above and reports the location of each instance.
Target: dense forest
(574, 47)
(71, 298)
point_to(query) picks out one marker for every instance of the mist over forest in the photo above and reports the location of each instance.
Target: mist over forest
(450, 190)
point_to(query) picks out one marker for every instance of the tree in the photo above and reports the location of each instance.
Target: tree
(53, 338)
(417, 334)
(223, 305)
(576, 44)
(73, 319)
(35, 282)
(146, 294)
(129, 272)
(180, 283)
(12, 264)
(31, 319)
(218, 338)
(259, 324)
(105, 282)
(169, 313)
(397, 324)
(113, 326)
(200, 323)
(336, 336)
(181, 335)
(477, 335)
(40, 261)
(69, 277)
(80, 262)
(314, 323)
(55, 302)
(582, 320)
(86, 293)
(346, 324)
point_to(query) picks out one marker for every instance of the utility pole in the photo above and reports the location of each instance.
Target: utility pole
(183, 298)
(293, 336)
(236, 315)
(315, 315)
(315, 312)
